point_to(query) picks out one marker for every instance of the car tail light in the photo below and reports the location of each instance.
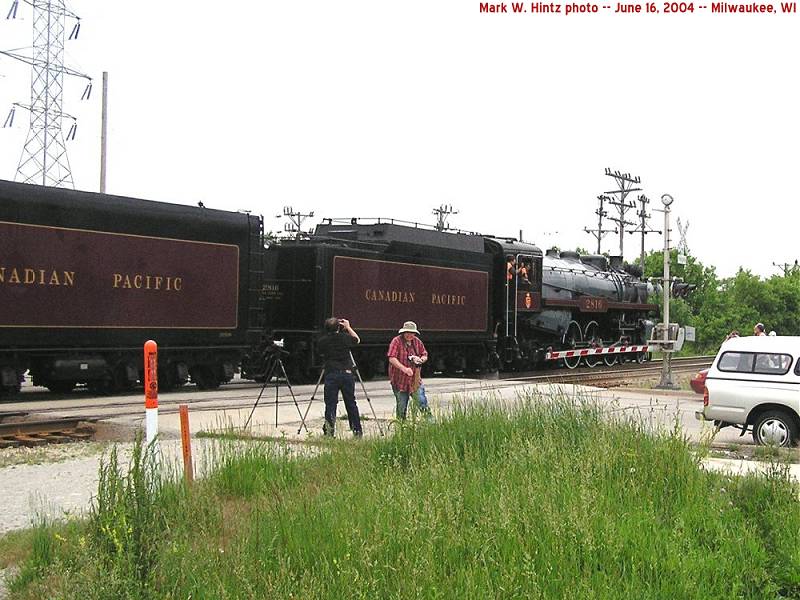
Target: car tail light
(705, 396)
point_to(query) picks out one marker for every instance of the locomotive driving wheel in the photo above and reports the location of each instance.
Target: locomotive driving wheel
(592, 336)
(572, 337)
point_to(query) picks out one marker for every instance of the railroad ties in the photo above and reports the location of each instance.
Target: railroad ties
(39, 433)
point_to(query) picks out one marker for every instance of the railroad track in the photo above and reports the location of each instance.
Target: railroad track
(243, 396)
(41, 432)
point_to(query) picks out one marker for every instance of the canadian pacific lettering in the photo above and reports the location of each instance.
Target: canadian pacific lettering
(31, 276)
(399, 296)
(451, 299)
(140, 281)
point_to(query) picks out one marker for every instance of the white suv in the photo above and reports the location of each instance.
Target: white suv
(755, 382)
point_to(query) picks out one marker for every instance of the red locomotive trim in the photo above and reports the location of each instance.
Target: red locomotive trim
(595, 351)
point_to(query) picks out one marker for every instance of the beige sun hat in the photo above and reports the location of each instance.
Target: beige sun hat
(409, 327)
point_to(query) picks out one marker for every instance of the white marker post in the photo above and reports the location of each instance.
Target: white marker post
(150, 390)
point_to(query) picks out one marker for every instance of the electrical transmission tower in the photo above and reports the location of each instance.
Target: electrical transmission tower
(44, 157)
(643, 228)
(625, 185)
(601, 214)
(441, 213)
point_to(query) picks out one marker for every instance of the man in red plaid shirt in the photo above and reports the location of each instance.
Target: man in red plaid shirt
(406, 355)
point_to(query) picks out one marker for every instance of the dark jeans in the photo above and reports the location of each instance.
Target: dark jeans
(336, 381)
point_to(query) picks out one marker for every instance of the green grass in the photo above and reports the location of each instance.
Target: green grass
(545, 500)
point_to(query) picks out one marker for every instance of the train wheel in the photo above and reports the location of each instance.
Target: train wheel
(610, 359)
(572, 337)
(641, 357)
(204, 378)
(592, 335)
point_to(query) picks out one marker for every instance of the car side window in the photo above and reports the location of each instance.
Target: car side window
(736, 362)
(772, 364)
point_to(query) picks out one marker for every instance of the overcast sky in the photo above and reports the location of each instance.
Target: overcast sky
(389, 109)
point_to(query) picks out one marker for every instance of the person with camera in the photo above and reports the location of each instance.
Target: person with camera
(406, 356)
(334, 347)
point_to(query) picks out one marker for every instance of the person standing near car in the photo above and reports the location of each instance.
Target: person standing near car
(335, 347)
(406, 356)
(758, 329)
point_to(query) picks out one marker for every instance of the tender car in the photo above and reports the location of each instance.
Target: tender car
(754, 382)
(698, 382)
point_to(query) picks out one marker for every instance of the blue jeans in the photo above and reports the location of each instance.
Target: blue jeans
(335, 382)
(402, 397)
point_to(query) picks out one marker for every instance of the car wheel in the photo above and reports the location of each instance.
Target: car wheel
(775, 428)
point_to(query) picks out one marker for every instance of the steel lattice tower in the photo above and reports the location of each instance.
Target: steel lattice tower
(44, 156)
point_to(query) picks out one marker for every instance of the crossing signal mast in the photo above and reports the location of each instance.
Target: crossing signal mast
(44, 156)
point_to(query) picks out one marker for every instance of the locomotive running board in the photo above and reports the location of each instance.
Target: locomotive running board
(594, 352)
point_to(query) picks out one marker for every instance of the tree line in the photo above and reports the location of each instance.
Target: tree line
(718, 305)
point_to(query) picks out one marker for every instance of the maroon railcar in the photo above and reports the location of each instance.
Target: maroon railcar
(440, 281)
(86, 279)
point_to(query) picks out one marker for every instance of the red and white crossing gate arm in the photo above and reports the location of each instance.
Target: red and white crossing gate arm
(594, 351)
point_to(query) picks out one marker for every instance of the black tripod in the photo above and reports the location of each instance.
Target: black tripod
(363, 388)
(273, 367)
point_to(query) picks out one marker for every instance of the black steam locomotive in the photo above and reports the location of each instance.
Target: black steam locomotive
(482, 302)
(86, 279)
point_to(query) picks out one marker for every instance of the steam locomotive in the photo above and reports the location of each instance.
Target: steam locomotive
(482, 302)
(86, 279)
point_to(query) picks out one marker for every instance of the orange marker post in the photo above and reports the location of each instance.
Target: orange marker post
(151, 390)
(186, 441)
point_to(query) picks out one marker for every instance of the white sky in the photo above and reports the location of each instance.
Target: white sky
(366, 108)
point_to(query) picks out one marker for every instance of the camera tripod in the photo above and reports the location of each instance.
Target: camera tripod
(273, 367)
(363, 388)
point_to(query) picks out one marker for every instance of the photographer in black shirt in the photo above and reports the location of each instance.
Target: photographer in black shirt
(334, 347)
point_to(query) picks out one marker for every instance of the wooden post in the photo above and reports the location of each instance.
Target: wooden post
(186, 440)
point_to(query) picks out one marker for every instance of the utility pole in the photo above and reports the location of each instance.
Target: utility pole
(44, 158)
(441, 214)
(787, 268)
(601, 214)
(666, 365)
(296, 219)
(103, 134)
(643, 229)
(625, 183)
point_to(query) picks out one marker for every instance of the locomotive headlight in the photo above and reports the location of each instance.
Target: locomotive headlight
(666, 199)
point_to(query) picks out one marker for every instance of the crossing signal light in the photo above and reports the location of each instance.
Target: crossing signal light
(682, 290)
